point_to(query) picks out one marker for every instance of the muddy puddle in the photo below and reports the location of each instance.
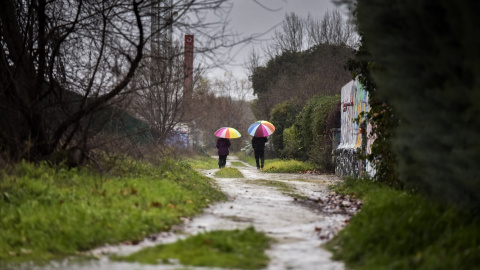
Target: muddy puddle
(298, 224)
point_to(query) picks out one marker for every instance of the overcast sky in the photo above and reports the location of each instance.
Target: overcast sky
(259, 18)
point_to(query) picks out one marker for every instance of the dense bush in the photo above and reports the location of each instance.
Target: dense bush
(431, 76)
(283, 115)
(311, 139)
(319, 69)
(291, 143)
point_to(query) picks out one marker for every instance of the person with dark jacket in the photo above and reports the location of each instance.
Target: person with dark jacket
(222, 145)
(258, 144)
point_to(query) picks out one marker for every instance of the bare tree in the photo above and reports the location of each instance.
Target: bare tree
(158, 94)
(252, 62)
(332, 29)
(290, 35)
(228, 106)
(64, 61)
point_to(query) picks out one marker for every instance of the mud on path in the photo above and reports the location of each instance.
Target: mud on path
(299, 223)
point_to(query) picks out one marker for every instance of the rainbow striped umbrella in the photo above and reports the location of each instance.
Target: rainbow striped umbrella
(261, 129)
(227, 132)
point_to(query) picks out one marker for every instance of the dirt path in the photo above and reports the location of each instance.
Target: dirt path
(300, 226)
(299, 230)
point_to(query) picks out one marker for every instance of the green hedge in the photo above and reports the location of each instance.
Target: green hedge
(431, 76)
(310, 138)
(283, 115)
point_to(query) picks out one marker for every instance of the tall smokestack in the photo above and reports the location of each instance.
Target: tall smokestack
(188, 68)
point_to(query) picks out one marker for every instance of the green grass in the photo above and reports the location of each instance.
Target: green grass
(47, 213)
(251, 159)
(228, 173)
(248, 159)
(399, 230)
(237, 164)
(203, 162)
(287, 166)
(240, 249)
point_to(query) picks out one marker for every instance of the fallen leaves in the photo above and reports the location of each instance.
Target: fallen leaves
(155, 204)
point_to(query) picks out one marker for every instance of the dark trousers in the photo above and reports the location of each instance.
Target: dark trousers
(259, 154)
(222, 160)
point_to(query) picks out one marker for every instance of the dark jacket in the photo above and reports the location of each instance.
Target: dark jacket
(222, 146)
(258, 143)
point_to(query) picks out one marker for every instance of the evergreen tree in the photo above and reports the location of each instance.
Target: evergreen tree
(431, 75)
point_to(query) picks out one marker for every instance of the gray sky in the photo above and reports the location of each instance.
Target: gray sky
(259, 18)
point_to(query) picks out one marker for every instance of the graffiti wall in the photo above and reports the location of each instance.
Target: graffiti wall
(354, 104)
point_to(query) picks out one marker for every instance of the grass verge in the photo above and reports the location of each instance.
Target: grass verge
(239, 249)
(287, 166)
(47, 213)
(237, 164)
(203, 162)
(228, 173)
(251, 159)
(399, 230)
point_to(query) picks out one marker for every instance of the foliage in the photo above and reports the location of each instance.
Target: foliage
(228, 173)
(312, 126)
(51, 212)
(287, 166)
(300, 74)
(121, 123)
(283, 115)
(239, 249)
(431, 77)
(292, 143)
(399, 230)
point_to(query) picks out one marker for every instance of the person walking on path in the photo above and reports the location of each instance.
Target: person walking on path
(258, 144)
(222, 145)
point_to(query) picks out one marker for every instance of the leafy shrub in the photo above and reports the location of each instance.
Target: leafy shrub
(320, 69)
(311, 138)
(292, 143)
(283, 115)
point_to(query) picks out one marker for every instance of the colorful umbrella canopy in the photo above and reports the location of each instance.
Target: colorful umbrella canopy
(227, 132)
(261, 129)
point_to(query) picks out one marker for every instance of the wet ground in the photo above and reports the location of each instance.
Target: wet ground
(299, 223)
